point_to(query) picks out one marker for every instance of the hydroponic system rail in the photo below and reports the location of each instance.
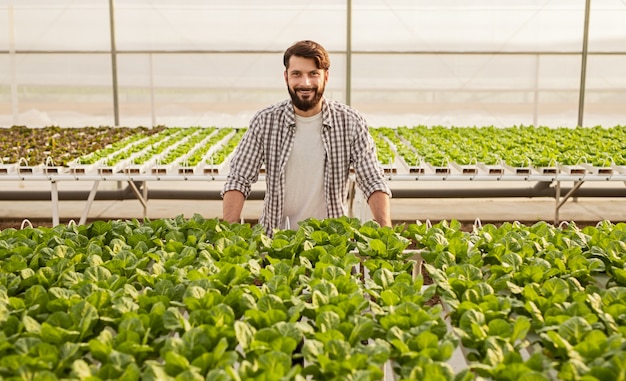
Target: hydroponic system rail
(543, 185)
(539, 159)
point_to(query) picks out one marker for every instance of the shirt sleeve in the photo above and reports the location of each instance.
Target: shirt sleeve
(369, 173)
(246, 163)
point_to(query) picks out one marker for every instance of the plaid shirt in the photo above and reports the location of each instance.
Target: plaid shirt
(269, 140)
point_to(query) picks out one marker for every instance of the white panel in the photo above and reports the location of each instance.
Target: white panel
(61, 25)
(468, 25)
(267, 25)
(607, 26)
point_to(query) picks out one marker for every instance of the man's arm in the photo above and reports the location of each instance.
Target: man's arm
(232, 206)
(379, 205)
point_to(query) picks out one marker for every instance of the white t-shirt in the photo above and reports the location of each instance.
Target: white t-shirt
(304, 174)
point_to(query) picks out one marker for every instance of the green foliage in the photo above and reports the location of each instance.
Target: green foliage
(195, 298)
(64, 145)
(517, 146)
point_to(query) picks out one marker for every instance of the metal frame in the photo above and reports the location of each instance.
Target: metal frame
(544, 186)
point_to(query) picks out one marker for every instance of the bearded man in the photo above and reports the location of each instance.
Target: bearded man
(309, 145)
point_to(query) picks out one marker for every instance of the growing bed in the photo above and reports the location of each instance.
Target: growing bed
(336, 300)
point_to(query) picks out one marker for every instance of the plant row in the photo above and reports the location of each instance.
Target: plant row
(516, 147)
(534, 302)
(34, 146)
(125, 149)
(519, 146)
(335, 300)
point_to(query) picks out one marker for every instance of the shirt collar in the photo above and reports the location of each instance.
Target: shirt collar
(326, 114)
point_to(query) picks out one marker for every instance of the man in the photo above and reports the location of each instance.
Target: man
(308, 145)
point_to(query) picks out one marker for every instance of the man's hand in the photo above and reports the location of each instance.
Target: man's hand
(379, 205)
(232, 206)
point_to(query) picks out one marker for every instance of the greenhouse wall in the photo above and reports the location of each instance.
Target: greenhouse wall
(400, 62)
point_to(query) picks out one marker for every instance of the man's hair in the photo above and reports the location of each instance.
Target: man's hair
(308, 49)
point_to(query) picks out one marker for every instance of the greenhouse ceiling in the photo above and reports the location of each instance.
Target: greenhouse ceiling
(399, 61)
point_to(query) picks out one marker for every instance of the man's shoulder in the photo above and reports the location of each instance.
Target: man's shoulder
(340, 106)
(343, 111)
(273, 109)
(266, 119)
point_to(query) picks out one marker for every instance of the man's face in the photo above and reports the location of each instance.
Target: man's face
(306, 84)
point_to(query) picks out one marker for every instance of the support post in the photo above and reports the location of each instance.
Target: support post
(116, 108)
(54, 195)
(583, 66)
(557, 197)
(560, 202)
(140, 197)
(12, 63)
(349, 52)
(92, 196)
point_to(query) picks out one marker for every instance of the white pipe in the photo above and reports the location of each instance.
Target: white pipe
(54, 195)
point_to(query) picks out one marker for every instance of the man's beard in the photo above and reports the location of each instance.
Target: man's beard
(306, 104)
